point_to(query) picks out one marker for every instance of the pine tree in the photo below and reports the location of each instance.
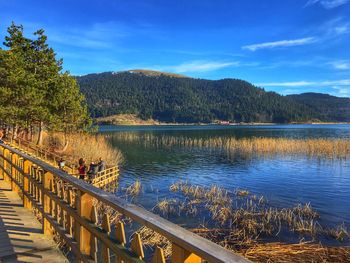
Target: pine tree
(33, 90)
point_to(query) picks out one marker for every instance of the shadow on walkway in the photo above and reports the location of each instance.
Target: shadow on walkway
(21, 237)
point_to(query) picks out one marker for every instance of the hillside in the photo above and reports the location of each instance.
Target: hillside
(329, 108)
(167, 98)
(152, 73)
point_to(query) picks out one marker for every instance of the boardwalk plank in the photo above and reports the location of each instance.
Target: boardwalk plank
(21, 237)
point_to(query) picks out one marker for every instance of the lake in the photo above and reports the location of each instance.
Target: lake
(284, 180)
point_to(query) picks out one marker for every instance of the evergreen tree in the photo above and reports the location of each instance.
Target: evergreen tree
(68, 107)
(34, 93)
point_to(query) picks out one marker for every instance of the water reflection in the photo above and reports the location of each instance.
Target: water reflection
(283, 180)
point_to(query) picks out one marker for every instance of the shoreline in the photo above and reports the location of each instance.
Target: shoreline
(134, 120)
(217, 124)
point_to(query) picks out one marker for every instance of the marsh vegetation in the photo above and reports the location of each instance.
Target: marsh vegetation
(270, 194)
(314, 147)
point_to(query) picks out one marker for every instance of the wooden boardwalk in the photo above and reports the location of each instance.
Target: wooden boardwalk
(21, 237)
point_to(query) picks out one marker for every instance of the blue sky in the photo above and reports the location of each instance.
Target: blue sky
(288, 46)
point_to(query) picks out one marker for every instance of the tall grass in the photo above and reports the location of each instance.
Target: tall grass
(322, 147)
(247, 217)
(242, 222)
(87, 146)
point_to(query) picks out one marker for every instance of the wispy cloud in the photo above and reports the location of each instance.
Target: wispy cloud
(342, 82)
(340, 64)
(334, 28)
(328, 4)
(341, 91)
(281, 43)
(97, 36)
(199, 66)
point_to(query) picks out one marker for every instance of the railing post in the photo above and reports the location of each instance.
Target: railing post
(46, 201)
(26, 171)
(2, 163)
(7, 177)
(181, 255)
(14, 159)
(84, 209)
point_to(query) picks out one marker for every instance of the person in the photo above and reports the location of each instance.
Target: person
(93, 169)
(61, 164)
(101, 165)
(82, 169)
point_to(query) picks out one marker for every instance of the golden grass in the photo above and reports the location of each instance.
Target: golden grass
(167, 207)
(134, 189)
(240, 192)
(151, 238)
(322, 147)
(83, 145)
(248, 218)
(299, 253)
(339, 232)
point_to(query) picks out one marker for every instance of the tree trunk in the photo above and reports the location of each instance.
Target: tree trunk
(40, 134)
(31, 133)
(14, 132)
(66, 143)
(6, 131)
(27, 134)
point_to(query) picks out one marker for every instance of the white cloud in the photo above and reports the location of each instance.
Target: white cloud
(97, 36)
(328, 4)
(281, 43)
(340, 64)
(334, 28)
(341, 91)
(342, 82)
(199, 66)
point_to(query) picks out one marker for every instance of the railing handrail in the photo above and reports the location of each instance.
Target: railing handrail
(192, 242)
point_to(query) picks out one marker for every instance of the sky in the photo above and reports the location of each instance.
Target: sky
(287, 46)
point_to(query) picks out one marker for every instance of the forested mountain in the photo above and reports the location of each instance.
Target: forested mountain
(329, 108)
(175, 98)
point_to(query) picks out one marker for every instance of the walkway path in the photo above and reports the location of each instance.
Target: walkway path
(21, 237)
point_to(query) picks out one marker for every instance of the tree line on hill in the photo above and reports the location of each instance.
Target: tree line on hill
(35, 93)
(328, 108)
(188, 100)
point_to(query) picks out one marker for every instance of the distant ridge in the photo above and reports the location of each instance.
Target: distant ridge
(152, 73)
(329, 108)
(167, 97)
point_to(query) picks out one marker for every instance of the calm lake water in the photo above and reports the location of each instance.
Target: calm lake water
(284, 180)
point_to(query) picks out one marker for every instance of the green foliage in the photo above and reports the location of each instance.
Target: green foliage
(186, 100)
(328, 108)
(33, 90)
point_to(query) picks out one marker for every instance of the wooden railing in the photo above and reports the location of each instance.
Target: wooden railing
(66, 206)
(103, 179)
(38, 151)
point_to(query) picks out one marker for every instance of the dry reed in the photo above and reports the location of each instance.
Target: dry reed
(83, 145)
(151, 238)
(134, 189)
(249, 217)
(318, 147)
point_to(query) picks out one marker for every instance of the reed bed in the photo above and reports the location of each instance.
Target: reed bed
(242, 222)
(83, 145)
(245, 221)
(299, 253)
(134, 189)
(151, 239)
(250, 218)
(321, 147)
